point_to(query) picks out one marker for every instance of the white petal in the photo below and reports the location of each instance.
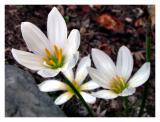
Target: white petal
(105, 94)
(141, 76)
(88, 98)
(46, 73)
(103, 62)
(51, 85)
(81, 71)
(56, 28)
(99, 77)
(128, 92)
(69, 74)
(73, 42)
(124, 63)
(90, 85)
(29, 60)
(35, 39)
(71, 61)
(63, 98)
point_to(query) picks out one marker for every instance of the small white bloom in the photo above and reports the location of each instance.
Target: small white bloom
(81, 73)
(50, 55)
(116, 79)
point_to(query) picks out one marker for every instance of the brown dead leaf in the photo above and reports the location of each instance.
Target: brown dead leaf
(111, 23)
(139, 23)
(139, 55)
(151, 10)
(86, 8)
(107, 48)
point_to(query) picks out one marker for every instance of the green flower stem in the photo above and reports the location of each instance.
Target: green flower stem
(148, 58)
(80, 97)
(125, 104)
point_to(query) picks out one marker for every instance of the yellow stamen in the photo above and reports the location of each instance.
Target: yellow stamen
(122, 81)
(60, 56)
(51, 62)
(48, 52)
(118, 84)
(58, 53)
(56, 50)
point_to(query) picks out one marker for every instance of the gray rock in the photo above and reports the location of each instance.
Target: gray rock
(23, 98)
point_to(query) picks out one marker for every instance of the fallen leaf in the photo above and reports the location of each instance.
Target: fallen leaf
(139, 55)
(151, 10)
(106, 47)
(111, 23)
(86, 8)
(139, 23)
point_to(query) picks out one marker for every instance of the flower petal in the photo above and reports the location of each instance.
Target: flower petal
(81, 71)
(103, 62)
(90, 85)
(35, 39)
(124, 63)
(88, 98)
(51, 85)
(29, 60)
(141, 76)
(128, 92)
(63, 98)
(56, 28)
(99, 77)
(69, 74)
(73, 42)
(46, 73)
(71, 61)
(105, 94)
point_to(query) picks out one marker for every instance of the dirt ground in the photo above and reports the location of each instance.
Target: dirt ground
(130, 30)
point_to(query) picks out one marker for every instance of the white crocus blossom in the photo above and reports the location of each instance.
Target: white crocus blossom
(116, 80)
(77, 81)
(50, 55)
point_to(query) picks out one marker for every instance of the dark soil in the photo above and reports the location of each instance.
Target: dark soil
(93, 35)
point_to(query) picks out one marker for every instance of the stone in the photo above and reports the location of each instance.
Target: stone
(23, 98)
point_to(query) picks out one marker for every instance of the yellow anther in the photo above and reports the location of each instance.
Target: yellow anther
(60, 56)
(118, 84)
(48, 52)
(56, 50)
(51, 62)
(122, 81)
(58, 53)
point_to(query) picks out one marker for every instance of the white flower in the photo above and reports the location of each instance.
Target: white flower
(50, 55)
(81, 73)
(116, 79)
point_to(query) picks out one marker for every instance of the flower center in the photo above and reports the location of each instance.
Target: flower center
(118, 84)
(55, 60)
(76, 85)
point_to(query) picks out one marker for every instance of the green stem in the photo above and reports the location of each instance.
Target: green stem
(125, 100)
(148, 58)
(80, 97)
